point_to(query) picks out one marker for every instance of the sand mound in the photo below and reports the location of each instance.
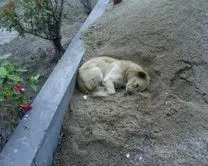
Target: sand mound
(168, 123)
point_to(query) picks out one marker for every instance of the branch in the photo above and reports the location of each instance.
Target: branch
(35, 34)
(61, 10)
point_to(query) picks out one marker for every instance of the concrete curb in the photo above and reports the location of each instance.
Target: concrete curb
(35, 138)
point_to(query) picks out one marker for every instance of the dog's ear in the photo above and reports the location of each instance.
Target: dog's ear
(142, 74)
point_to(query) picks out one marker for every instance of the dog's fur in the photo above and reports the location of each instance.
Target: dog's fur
(112, 74)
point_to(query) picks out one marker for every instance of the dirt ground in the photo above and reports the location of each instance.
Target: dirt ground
(36, 54)
(164, 125)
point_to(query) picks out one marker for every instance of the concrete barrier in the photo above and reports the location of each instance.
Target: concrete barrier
(35, 138)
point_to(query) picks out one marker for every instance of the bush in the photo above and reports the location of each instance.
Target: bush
(41, 18)
(12, 96)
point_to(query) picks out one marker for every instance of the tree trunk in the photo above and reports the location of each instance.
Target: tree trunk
(59, 50)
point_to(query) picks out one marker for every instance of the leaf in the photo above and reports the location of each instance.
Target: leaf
(21, 70)
(5, 56)
(5, 63)
(34, 87)
(1, 98)
(10, 68)
(1, 81)
(14, 78)
(36, 77)
(3, 72)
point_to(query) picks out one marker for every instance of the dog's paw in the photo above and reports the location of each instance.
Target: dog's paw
(111, 92)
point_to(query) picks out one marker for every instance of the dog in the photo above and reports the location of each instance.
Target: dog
(112, 74)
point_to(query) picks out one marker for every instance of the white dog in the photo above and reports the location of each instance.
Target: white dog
(112, 74)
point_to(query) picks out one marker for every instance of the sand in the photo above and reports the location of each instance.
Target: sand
(164, 125)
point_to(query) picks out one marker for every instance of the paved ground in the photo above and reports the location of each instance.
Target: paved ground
(168, 123)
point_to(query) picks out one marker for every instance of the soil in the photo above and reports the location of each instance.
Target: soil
(37, 55)
(164, 125)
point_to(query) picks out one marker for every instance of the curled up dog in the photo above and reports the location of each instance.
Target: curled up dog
(112, 74)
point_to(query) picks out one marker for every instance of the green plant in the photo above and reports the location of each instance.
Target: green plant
(41, 18)
(12, 96)
(33, 81)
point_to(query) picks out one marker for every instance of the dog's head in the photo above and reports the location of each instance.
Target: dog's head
(138, 82)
